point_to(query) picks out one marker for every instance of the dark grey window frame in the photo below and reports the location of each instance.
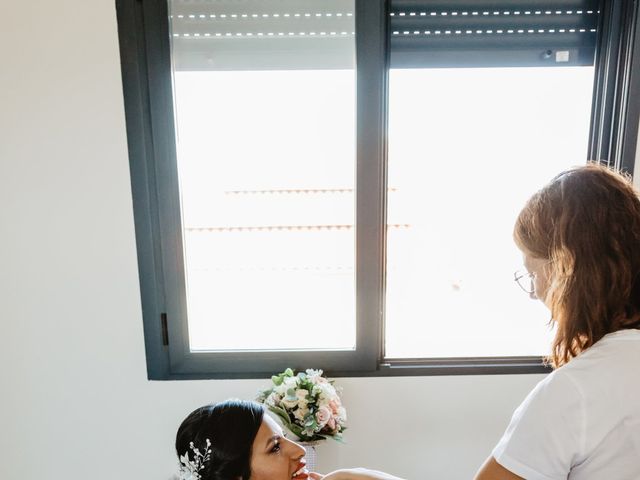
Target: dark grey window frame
(614, 118)
(144, 48)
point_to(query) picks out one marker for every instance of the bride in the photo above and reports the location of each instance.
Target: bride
(235, 440)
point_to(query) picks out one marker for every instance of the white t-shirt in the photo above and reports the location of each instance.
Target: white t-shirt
(583, 420)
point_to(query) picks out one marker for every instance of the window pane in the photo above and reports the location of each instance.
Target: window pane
(265, 107)
(467, 147)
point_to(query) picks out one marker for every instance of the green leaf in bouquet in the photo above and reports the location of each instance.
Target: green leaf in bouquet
(339, 439)
(277, 380)
(310, 422)
(306, 384)
(282, 413)
(263, 394)
(291, 395)
(288, 373)
(297, 431)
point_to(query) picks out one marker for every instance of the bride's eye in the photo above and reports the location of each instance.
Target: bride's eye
(276, 447)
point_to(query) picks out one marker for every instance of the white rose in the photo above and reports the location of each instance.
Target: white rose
(302, 396)
(325, 391)
(300, 413)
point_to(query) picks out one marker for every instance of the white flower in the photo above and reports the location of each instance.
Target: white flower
(273, 400)
(325, 391)
(315, 376)
(289, 403)
(308, 432)
(342, 415)
(303, 397)
(290, 382)
(300, 413)
(189, 469)
(280, 389)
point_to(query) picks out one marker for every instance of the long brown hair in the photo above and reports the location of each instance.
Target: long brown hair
(586, 222)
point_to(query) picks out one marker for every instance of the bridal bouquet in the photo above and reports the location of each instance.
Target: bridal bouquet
(307, 403)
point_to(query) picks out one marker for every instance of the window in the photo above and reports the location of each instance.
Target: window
(333, 183)
(451, 262)
(264, 96)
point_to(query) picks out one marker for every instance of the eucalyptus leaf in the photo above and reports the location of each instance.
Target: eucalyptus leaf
(291, 394)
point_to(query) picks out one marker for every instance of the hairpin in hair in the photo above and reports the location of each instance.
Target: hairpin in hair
(190, 469)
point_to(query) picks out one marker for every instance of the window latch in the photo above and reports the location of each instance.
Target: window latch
(165, 330)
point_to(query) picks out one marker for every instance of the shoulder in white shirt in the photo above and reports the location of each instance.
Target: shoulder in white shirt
(583, 420)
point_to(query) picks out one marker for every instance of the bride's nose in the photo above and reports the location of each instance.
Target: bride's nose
(297, 451)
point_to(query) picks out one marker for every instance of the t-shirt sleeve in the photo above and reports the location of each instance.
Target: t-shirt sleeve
(546, 434)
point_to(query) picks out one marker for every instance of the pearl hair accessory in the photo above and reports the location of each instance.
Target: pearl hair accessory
(190, 469)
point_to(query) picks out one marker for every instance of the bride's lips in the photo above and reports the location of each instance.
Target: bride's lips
(301, 471)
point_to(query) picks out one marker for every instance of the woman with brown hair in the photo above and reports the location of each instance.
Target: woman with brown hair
(580, 239)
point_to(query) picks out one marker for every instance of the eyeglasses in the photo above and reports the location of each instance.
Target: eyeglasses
(524, 279)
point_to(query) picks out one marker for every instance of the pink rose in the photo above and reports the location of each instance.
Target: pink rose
(335, 406)
(323, 416)
(332, 423)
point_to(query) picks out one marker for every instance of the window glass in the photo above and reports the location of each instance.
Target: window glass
(265, 113)
(467, 147)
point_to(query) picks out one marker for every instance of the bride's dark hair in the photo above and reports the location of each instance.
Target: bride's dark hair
(231, 426)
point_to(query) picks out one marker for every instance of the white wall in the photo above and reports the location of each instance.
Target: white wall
(75, 401)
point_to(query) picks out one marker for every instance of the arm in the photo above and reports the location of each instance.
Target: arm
(354, 474)
(492, 470)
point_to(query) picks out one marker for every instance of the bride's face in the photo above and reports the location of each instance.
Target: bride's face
(274, 457)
